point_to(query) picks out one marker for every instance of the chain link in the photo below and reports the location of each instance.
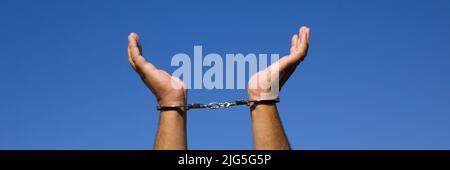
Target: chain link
(216, 105)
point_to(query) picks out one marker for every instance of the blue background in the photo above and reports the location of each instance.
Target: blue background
(376, 77)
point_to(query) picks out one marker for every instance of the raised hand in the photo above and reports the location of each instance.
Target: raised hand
(268, 131)
(168, 90)
(260, 84)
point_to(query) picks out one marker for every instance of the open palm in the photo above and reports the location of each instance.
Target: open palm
(261, 84)
(167, 89)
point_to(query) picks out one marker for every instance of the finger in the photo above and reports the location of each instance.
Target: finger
(133, 48)
(288, 67)
(301, 34)
(135, 51)
(130, 45)
(144, 68)
(294, 43)
(304, 41)
(299, 52)
(130, 60)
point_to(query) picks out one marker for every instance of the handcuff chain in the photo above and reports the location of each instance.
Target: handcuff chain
(216, 105)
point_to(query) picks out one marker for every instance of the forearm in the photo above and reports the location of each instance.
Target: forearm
(171, 133)
(268, 132)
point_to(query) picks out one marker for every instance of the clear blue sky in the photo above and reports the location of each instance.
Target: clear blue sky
(377, 75)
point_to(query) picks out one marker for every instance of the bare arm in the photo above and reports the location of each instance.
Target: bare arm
(168, 90)
(171, 131)
(268, 132)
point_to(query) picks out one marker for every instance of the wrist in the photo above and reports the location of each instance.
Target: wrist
(171, 102)
(262, 95)
(262, 106)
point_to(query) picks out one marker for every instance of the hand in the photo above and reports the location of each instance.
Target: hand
(168, 90)
(260, 84)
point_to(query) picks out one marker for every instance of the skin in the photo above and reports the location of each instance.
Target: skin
(268, 132)
(171, 133)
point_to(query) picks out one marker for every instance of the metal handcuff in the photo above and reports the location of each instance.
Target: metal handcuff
(216, 105)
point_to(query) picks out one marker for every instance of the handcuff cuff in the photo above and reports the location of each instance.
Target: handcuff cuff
(216, 105)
